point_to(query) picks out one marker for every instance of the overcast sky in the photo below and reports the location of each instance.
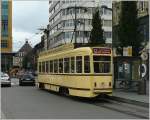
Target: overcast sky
(28, 16)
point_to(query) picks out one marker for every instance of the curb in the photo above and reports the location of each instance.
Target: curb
(129, 101)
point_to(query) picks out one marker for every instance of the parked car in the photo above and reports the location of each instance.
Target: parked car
(27, 79)
(5, 79)
(34, 73)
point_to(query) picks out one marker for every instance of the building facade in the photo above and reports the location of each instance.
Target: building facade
(18, 58)
(6, 31)
(143, 16)
(6, 35)
(69, 15)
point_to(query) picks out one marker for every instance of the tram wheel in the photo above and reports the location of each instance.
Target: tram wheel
(41, 85)
(60, 91)
(64, 91)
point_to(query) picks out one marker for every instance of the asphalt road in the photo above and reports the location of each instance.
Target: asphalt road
(28, 102)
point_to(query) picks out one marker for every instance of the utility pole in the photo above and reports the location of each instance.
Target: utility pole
(83, 30)
(75, 25)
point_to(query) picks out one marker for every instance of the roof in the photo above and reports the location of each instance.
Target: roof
(25, 48)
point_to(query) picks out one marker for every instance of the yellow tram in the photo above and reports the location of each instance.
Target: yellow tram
(81, 71)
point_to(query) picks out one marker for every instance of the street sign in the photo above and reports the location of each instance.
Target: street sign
(127, 51)
(144, 56)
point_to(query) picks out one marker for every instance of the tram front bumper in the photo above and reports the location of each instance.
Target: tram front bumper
(103, 90)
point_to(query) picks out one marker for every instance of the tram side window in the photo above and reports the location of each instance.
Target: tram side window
(47, 66)
(86, 64)
(72, 64)
(102, 64)
(60, 65)
(40, 67)
(79, 64)
(51, 66)
(66, 65)
(55, 66)
(43, 67)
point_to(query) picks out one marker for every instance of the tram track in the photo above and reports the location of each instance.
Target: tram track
(138, 111)
(141, 112)
(125, 108)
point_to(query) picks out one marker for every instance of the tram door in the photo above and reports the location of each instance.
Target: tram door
(124, 71)
(124, 74)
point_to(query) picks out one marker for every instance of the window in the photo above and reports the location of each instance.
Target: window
(55, 66)
(43, 66)
(51, 66)
(40, 67)
(72, 64)
(141, 5)
(60, 65)
(77, 10)
(57, 6)
(107, 23)
(4, 17)
(108, 34)
(4, 44)
(63, 12)
(66, 65)
(101, 58)
(104, 11)
(89, 10)
(4, 27)
(79, 64)
(4, 11)
(4, 5)
(47, 66)
(68, 35)
(102, 64)
(86, 64)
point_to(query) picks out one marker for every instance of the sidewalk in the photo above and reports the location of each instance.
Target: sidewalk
(131, 97)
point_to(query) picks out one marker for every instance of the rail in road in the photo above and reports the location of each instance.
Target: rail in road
(118, 106)
(135, 110)
(126, 108)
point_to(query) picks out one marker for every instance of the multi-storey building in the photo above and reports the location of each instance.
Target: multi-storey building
(143, 17)
(106, 17)
(6, 34)
(70, 22)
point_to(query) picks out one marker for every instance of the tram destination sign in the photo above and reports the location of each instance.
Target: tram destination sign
(101, 50)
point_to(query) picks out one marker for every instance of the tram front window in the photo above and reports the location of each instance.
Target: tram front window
(102, 64)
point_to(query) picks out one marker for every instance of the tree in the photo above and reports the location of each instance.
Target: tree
(128, 33)
(97, 31)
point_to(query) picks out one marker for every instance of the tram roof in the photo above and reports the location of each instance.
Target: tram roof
(72, 46)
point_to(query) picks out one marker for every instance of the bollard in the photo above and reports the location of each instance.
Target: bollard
(142, 87)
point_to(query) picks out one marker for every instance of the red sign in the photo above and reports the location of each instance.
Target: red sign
(101, 50)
